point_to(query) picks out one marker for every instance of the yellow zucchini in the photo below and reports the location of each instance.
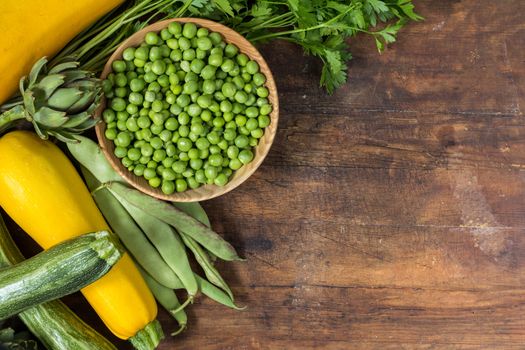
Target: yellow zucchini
(35, 28)
(42, 191)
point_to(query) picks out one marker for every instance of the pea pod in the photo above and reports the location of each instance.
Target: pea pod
(129, 233)
(197, 212)
(90, 156)
(178, 219)
(216, 294)
(168, 299)
(204, 261)
(167, 243)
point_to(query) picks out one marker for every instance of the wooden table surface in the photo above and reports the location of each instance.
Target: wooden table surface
(390, 215)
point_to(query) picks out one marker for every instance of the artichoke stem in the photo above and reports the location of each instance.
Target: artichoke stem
(10, 116)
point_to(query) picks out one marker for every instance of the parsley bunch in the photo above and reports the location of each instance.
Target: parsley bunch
(321, 27)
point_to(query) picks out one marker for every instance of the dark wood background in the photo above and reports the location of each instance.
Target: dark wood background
(390, 215)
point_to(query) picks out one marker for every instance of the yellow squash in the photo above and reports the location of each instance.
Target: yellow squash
(43, 193)
(35, 28)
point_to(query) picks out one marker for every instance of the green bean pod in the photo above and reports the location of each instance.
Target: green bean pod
(89, 155)
(178, 219)
(216, 294)
(204, 261)
(130, 234)
(167, 243)
(168, 299)
(195, 210)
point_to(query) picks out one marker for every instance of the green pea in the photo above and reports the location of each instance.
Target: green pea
(259, 79)
(131, 124)
(230, 50)
(142, 53)
(196, 164)
(257, 133)
(204, 43)
(155, 182)
(139, 169)
(184, 43)
(192, 183)
(134, 154)
(200, 54)
(168, 174)
(241, 96)
(189, 30)
(227, 66)
(213, 137)
(241, 141)
(124, 138)
(183, 100)
(152, 164)
(265, 109)
(226, 106)
(208, 87)
(149, 173)
(156, 143)
(221, 180)
(179, 166)
(110, 134)
(228, 89)
(168, 187)
(215, 38)
(208, 72)
(139, 63)
(215, 60)
(184, 156)
(175, 28)
(122, 115)
(159, 155)
(243, 130)
(262, 91)
(215, 160)
(127, 162)
(242, 59)
(235, 164)
(202, 143)
(252, 112)
(165, 34)
(190, 87)
(264, 121)
(252, 67)
(232, 152)
(184, 131)
(196, 65)
(252, 124)
(200, 177)
(184, 144)
(253, 141)
(121, 92)
(181, 185)
(214, 149)
(118, 66)
(218, 122)
(163, 81)
(188, 54)
(229, 134)
(109, 115)
(151, 38)
(165, 135)
(118, 104)
(128, 54)
(120, 152)
(146, 150)
(211, 172)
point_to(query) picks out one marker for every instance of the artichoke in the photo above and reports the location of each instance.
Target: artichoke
(59, 102)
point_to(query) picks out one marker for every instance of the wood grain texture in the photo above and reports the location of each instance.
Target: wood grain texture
(260, 151)
(392, 214)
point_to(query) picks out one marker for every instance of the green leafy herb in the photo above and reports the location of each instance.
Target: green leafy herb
(321, 27)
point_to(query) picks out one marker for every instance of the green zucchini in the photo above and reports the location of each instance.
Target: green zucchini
(61, 270)
(53, 323)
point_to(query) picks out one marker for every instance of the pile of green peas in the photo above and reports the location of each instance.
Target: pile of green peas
(185, 108)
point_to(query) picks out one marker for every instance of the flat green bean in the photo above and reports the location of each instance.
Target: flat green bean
(204, 261)
(130, 234)
(216, 294)
(167, 243)
(178, 219)
(168, 299)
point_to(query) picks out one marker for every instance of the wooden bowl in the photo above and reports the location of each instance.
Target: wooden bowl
(260, 151)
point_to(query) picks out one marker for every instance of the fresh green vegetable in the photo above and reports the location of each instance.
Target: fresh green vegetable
(168, 299)
(178, 219)
(61, 270)
(191, 126)
(212, 274)
(321, 27)
(215, 293)
(129, 233)
(168, 244)
(58, 101)
(53, 323)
